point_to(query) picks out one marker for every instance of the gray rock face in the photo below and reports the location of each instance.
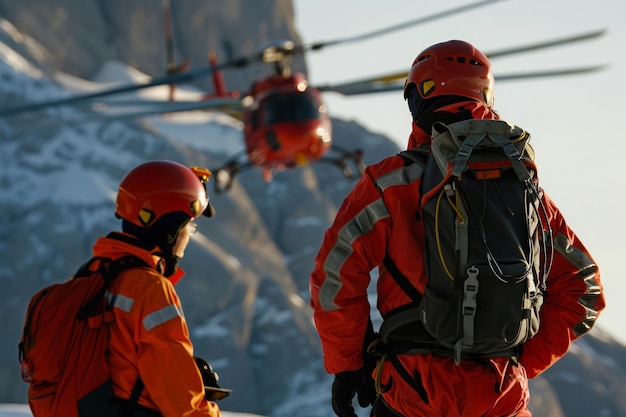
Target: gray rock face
(80, 35)
(246, 291)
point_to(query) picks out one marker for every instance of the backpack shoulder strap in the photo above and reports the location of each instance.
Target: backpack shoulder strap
(108, 270)
(107, 267)
(418, 155)
(109, 273)
(86, 269)
(115, 267)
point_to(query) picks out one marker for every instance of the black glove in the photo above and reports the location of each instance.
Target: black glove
(345, 386)
(212, 391)
(370, 360)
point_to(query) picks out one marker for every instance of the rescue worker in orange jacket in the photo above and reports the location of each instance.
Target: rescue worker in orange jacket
(448, 82)
(157, 202)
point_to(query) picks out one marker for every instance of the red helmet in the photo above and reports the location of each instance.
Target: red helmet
(154, 189)
(452, 68)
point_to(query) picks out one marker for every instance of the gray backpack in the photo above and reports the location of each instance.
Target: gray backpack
(487, 249)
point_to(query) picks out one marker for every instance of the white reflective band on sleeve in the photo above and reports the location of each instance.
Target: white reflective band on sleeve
(120, 301)
(161, 316)
(573, 254)
(587, 271)
(403, 176)
(360, 225)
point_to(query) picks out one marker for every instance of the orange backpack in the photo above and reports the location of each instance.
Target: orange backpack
(65, 342)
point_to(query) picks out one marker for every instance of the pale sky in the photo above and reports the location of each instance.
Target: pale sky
(574, 120)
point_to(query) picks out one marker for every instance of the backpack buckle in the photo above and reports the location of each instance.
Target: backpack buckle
(470, 290)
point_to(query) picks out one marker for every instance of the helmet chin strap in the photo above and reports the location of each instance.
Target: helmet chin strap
(163, 234)
(171, 264)
(171, 270)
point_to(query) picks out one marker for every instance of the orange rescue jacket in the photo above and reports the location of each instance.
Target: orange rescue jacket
(150, 337)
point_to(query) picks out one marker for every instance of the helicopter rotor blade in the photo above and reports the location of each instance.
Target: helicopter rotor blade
(174, 79)
(134, 110)
(440, 15)
(550, 73)
(233, 103)
(547, 44)
(374, 86)
(386, 82)
(137, 109)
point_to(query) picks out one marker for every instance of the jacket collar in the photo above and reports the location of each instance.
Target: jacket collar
(117, 244)
(421, 132)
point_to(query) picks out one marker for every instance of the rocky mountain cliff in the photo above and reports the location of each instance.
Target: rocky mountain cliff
(246, 291)
(77, 36)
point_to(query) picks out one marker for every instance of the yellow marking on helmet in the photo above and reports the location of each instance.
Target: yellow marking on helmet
(196, 207)
(145, 216)
(427, 87)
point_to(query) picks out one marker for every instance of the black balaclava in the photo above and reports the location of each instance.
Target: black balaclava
(162, 233)
(424, 111)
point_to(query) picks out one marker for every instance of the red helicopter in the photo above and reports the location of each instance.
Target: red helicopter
(286, 123)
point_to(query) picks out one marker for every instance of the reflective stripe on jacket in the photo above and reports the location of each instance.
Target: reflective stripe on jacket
(150, 338)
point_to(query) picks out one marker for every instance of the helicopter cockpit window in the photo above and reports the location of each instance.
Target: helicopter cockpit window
(290, 108)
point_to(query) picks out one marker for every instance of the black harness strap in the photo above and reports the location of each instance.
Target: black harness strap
(414, 381)
(401, 279)
(418, 155)
(131, 405)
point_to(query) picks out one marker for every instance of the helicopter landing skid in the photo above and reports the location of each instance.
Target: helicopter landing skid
(225, 175)
(342, 162)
